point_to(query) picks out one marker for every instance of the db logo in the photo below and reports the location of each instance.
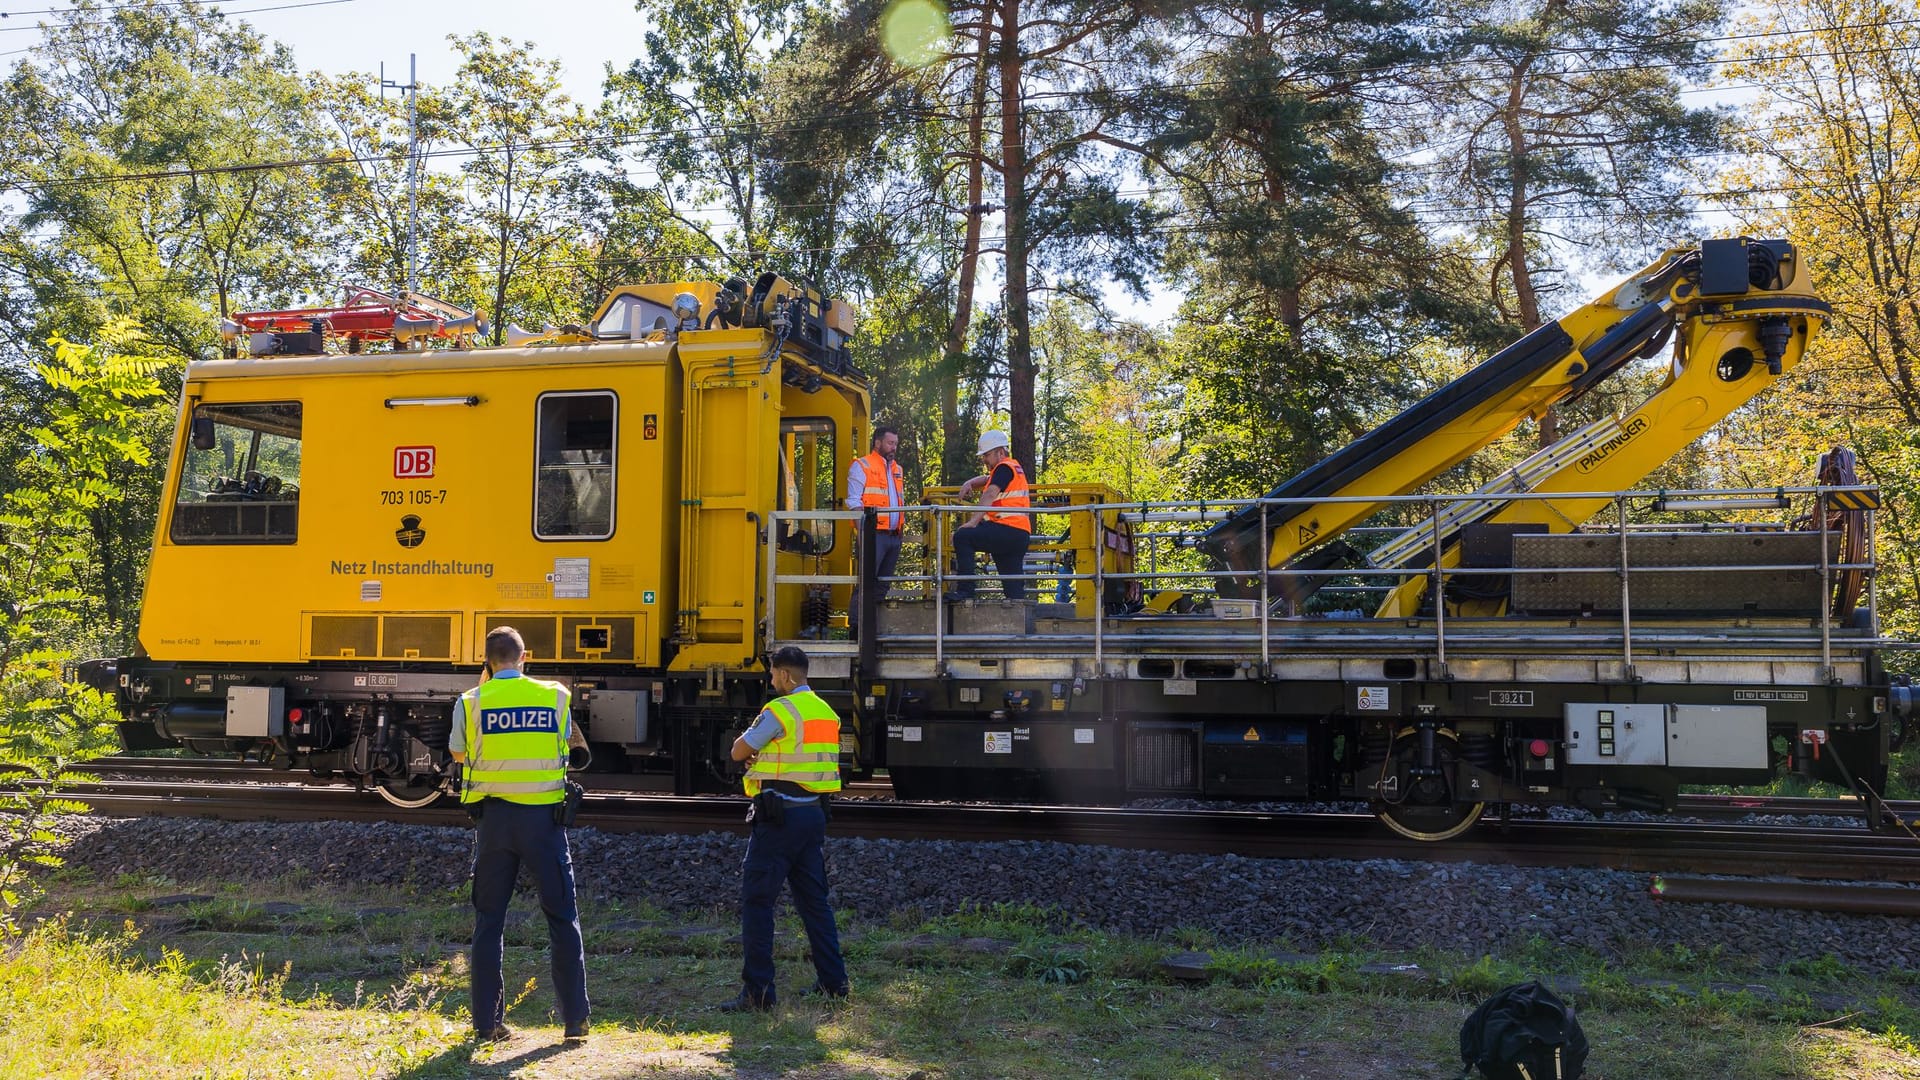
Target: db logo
(412, 462)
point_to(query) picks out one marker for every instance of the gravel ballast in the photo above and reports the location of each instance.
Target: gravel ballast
(1389, 904)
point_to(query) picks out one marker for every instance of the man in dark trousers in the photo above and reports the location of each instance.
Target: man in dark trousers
(794, 750)
(996, 530)
(874, 481)
(515, 737)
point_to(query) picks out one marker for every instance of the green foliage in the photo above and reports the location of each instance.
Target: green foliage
(1828, 968)
(148, 102)
(47, 723)
(695, 106)
(528, 192)
(1564, 126)
(1107, 409)
(1482, 977)
(111, 1008)
(1261, 404)
(1057, 966)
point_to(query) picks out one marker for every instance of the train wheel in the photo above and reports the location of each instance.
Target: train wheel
(1419, 804)
(409, 796)
(1429, 823)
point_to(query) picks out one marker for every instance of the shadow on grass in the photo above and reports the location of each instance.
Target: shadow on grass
(456, 1060)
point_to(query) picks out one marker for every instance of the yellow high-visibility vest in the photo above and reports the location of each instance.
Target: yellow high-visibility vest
(516, 731)
(807, 751)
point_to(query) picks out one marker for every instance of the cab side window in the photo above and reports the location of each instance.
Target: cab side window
(240, 476)
(807, 482)
(573, 482)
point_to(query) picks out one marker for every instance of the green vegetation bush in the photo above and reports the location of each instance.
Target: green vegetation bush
(48, 722)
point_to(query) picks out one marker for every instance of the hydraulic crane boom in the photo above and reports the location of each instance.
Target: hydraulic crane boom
(1715, 371)
(1746, 313)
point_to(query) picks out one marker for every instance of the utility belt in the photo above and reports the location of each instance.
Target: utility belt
(565, 812)
(770, 809)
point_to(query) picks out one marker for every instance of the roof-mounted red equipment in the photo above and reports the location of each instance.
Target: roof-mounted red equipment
(364, 315)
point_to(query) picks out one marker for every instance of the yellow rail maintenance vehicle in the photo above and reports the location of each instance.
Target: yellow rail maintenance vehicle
(655, 500)
(358, 494)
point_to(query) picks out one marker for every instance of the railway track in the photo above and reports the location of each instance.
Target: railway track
(204, 770)
(1652, 847)
(216, 769)
(197, 770)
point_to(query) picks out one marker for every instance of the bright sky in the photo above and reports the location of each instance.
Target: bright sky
(584, 35)
(359, 35)
(340, 36)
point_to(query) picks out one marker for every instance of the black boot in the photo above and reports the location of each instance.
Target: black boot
(748, 1001)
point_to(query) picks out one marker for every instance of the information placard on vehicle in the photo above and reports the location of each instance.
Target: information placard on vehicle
(572, 578)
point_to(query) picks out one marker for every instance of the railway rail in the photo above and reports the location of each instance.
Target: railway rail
(1693, 806)
(1651, 847)
(203, 770)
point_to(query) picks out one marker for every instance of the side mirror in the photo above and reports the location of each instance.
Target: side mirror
(200, 429)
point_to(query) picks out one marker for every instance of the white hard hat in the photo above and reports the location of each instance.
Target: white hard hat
(992, 440)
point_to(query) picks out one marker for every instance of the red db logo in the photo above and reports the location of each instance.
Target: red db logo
(412, 462)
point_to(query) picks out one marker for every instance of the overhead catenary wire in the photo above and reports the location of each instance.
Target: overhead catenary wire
(445, 270)
(1428, 212)
(212, 12)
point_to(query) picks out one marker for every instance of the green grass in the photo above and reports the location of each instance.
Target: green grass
(223, 988)
(1903, 781)
(86, 1005)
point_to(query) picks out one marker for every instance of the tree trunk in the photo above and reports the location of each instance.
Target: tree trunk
(956, 458)
(109, 568)
(1013, 171)
(1289, 296)
(1525, 298)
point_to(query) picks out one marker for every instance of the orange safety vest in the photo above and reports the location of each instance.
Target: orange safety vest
(876, 491)
(1015, 495)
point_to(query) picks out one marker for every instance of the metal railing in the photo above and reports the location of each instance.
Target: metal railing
(1165, 535)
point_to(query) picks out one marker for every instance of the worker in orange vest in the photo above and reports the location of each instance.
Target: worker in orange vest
(1000, 528)
(874, 484)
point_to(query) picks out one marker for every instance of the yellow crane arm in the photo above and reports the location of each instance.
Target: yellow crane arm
(1727, 354)
(1729, 294)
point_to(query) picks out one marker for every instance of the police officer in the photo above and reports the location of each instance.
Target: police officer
(515, 735)
(874, 481)
(995, 530)
(794, 748)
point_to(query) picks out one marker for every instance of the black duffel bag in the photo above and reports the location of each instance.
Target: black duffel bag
(1524, 1032)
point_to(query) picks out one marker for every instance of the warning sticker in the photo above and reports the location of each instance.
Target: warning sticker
(571, 578)
(1252, 735)
(1083, 735)
(1374, 699)
(999, 742)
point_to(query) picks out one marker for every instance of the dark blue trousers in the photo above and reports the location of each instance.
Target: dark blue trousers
(1006, 544)
(792, 853)
(512, 834)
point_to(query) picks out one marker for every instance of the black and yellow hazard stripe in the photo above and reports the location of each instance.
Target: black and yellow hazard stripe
(1869, 499)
